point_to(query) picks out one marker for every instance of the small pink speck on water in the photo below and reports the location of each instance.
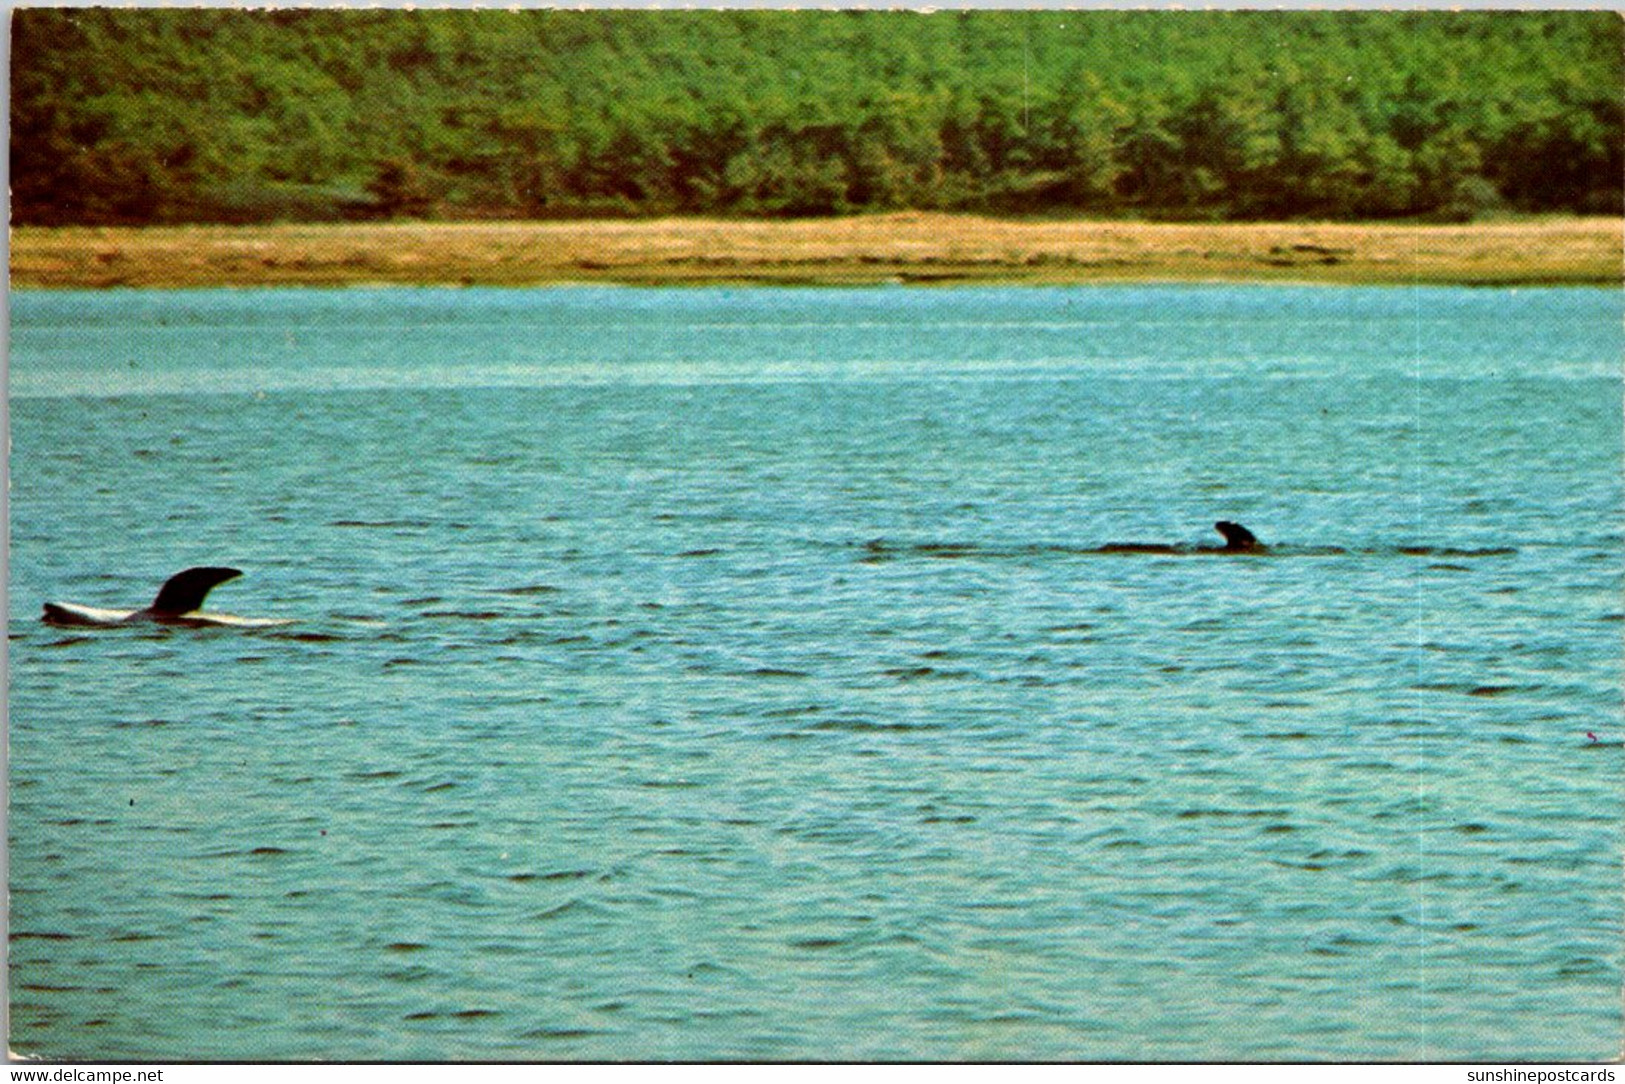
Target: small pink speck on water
(1590, 735)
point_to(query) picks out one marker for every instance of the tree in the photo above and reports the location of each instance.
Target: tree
(397, 190)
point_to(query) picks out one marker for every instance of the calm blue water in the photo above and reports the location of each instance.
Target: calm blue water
(725, 674)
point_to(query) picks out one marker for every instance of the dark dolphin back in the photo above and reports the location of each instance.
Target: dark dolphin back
(185, 591)
(1237, 537)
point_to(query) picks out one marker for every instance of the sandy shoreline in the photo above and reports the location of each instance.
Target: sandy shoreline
(905, 247)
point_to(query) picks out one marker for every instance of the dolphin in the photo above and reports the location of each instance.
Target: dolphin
(179, 602)
(1237, 539)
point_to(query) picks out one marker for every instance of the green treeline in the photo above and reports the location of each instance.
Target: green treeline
(181, 115)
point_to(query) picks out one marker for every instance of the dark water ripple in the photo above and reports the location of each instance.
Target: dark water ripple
(716, 674)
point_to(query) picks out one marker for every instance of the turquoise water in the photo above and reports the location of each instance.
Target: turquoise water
(730, 674)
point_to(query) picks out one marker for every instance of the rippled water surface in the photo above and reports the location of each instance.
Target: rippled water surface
(735, 674)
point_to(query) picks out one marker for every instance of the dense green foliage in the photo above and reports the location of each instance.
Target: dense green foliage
(155, 115)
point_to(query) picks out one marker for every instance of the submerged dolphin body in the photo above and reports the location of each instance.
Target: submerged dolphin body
(1237, 539)
(179, 602)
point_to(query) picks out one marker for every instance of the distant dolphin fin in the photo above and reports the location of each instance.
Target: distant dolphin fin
(1237, 537)
(185, 591)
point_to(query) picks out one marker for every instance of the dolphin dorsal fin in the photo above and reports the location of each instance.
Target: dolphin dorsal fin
(1237, 537)
(185, 591)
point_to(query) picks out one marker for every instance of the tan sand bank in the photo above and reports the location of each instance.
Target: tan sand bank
(907, 247)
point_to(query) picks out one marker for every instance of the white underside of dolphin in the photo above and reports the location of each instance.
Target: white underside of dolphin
(71, 613)
(179, 602)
